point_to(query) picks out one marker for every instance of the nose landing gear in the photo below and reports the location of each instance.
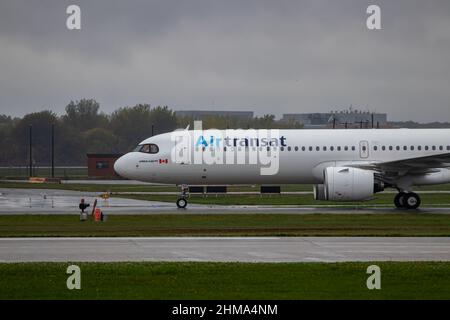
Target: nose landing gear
(182, 199)
(407, 200)
(181, 203)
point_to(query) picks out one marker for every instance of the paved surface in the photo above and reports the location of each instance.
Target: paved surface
(48, 201)
(101, 181)
(251, 249)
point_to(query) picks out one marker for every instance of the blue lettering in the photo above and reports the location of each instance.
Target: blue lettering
(201, 141)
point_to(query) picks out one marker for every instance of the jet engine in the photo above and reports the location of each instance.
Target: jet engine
(343, 183)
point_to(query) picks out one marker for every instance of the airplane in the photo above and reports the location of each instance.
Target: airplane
(342, 165)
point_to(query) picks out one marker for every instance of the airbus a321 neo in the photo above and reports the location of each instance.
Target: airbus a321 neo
(347, 165)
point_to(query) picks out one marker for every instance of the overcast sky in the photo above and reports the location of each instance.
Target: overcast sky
(267, 56)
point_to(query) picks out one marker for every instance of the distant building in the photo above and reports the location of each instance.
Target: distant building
(102, 165)
(308, 120)
(202, 114)
(349, 119)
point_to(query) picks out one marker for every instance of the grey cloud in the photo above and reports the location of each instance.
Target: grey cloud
(270, 56)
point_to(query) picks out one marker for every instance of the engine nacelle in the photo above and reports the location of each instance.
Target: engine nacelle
(343, 183)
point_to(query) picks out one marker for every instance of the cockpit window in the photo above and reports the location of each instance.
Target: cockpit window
(147, 148)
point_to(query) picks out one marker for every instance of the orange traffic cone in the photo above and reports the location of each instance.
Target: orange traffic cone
(98, 214)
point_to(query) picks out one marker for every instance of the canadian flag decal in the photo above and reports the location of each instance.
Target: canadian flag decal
(163, 160)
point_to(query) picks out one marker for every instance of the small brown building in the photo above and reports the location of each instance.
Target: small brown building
(102, 164)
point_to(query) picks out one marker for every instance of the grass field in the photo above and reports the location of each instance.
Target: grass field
(399, 280)
(228, 225)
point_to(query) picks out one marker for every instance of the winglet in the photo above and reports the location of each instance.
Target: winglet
(187, 128)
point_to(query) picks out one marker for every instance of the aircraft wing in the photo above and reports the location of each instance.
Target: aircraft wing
(418, 165)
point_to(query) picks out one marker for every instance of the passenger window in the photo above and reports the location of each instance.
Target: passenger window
(426, 148)
(149, 148)
(339, 148)
(391, 148)
(375, 148)
(281, 148)
(317, 148)
(346, 148)
(441, 148)
(303, 148)
(310, 148)
(405, 148)
(332, 148)
(433, 147)
(324, 148)
(448, 147)
(412, 148)
(419, 148)
(397, 148)
(353, 148)
(383, 148)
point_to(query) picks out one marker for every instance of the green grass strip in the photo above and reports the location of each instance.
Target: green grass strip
(399, 280)
(401, 224)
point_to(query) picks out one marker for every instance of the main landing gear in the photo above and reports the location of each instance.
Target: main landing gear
(182, 199)
(407, 200)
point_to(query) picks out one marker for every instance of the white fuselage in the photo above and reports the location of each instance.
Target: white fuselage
(302, 155)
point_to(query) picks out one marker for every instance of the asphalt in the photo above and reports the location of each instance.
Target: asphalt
(225, 249)
(49, 201)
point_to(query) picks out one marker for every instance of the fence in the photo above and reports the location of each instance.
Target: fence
(42, 171)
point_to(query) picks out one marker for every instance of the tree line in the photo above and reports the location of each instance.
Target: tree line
(85, 129)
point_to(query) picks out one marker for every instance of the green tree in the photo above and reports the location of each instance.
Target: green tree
(100, 140)
(133, 124)
(84, 115)
(70, 147)
(163, 119)
(41, 126)
(6, 140)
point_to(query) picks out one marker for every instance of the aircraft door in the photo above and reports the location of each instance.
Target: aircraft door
(364, 149)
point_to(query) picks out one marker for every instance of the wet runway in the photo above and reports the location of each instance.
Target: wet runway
(248, 249)
(47, 201)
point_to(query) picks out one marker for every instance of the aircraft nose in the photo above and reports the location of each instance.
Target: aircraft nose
(120, 166)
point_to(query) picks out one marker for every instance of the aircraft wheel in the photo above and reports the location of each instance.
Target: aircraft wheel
(411, 200)
(399, 200)
(181, 203)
